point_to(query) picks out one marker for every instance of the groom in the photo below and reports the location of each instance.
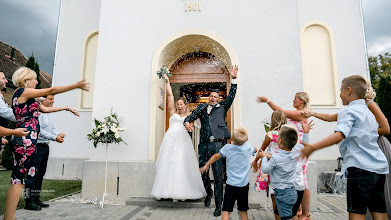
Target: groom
(214, 133)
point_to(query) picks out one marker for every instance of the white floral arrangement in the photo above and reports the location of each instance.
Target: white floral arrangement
(106, 131)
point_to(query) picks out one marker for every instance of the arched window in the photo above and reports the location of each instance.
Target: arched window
(89, 66)
(319, 65)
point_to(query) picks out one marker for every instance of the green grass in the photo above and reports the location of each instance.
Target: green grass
(50, 189)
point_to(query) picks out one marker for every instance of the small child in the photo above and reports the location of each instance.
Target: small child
(269, 145)
(363, 161)
(282, 166)
(237, 158)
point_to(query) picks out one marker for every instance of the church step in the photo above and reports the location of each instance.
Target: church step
(180, 204)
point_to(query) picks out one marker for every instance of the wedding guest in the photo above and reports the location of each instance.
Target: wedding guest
(364, 163)
(214, 133)
(282, 168)
(302, 103)
(6, 113)
(47, 134)
(384, 144)
(238, 163)
(25, 109)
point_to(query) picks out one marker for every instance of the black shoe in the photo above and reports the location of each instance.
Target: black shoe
(217, 211)
(208, 199)
(32, 206)
(40, 203)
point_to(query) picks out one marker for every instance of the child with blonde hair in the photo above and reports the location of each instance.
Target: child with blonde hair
(238, 163)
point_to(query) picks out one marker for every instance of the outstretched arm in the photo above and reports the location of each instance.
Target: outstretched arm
(45, 109)
(292, 114)
(328, 141)
(18, 132)
(232, 91)
(384, 127)
(213, 159)
(321, 116)
(170, 96)
(34, 93)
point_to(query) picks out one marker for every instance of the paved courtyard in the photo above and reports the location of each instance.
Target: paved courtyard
(329, 207)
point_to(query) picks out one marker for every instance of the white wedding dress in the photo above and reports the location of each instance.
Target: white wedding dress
(177, 172)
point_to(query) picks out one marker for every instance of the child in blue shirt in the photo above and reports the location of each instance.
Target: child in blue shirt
(363, 162)
(282, 168)
(238, 165)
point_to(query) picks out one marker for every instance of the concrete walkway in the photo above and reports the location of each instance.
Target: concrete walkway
(329, 207)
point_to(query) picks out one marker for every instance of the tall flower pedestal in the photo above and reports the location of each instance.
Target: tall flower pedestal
(105, 194)
(106, 132)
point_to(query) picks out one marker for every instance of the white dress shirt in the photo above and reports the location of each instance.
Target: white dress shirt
(48, 132)
(5, 110)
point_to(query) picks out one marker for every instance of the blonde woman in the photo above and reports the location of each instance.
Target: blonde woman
(301, 103)
(26, 110)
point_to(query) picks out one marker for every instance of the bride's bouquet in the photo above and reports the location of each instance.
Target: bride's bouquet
(106, 131)
(163, 71)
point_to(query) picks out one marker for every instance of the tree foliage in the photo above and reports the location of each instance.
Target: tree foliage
(32, 64)
(380, 70)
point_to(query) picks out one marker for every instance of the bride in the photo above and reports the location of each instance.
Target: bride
(177, 172)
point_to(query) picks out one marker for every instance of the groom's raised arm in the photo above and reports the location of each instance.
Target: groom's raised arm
(232, 91)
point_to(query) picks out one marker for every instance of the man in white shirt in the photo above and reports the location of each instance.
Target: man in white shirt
(47, 134)
(6, 113)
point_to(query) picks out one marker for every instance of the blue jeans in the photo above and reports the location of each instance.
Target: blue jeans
(285, 199)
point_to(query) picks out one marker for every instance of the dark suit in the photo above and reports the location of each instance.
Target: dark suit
(214, 132)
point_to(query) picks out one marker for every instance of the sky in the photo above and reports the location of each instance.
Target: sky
(31, 26)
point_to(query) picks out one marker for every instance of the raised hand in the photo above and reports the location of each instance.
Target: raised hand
(307, 126)
(83, 84)
(234, 71)
(20, 132)
(261, 99)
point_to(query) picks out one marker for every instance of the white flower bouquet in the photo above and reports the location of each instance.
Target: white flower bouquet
(163, 71)
(106, 131)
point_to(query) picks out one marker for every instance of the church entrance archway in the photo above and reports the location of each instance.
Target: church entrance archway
(199, 65)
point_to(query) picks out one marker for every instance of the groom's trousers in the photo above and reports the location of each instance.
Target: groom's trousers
(205, 152)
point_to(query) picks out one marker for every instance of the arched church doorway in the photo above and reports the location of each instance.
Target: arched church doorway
(195, 76)
(200, 64)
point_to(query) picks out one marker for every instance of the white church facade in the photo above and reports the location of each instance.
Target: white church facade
(281, 47)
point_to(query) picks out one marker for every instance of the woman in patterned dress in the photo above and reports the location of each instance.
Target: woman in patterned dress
(25, 109)
(301, 103)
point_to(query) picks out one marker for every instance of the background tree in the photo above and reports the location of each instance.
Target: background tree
(32, 64)
(380, 70)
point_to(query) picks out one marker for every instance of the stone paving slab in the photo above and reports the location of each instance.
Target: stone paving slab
(331, 206)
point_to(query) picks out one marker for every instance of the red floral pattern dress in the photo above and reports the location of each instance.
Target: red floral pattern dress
(24, 148)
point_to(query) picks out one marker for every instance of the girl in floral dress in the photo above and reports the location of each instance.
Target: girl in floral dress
(269, 145)
(302, 104)
(25, 109)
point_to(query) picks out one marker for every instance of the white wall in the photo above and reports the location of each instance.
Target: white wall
(265, 36)
(78, 20)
